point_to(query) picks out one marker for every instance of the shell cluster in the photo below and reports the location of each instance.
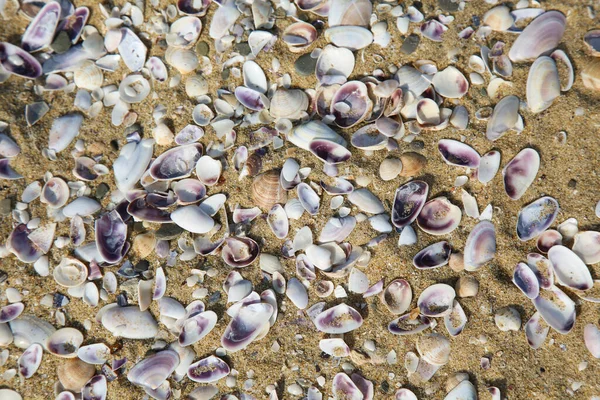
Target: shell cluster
(270, 186)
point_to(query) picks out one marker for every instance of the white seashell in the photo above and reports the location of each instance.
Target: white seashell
(504, 118)
(134, 88)
(97, 353)
(297, 293)
(64, 342)
(543, 84)
(334, 64)
(569, 269)
(128, 322)
(254, 77)
(192, 219)
(499, 18)
(132, 162)
(540, 36)
(223, 19)
(408, 236)
(358, 281)
(184, 32)
(70, 272)
(591, 338)
(208, 170)
(434, 348)
(305, 133)
(350, 37)
(508, 319)
(463, 391)
(88, 76)
(366, 201)
(183, 60)
(335, 347)
(64, 129)
(157, 68)
(488, 166)
(28, 329)
(132, 50)
(82, 206)
(288, 104)
(587, 246)
(450, 83)
(536, 331)
(557, 309)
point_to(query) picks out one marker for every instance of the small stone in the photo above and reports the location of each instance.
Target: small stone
(5, 207)
(101, 191)
(467, 286)
(62, 43)
(410, 44)
(417, 145)
(202, 49)
(243, 48)
(305, 65)
(457, 262)
(572, 184)
(449, 5)
(225, 74)
(168, 232)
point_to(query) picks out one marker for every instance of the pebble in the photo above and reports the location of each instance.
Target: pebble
(5, 207)
(457, 262)
(305, 65)
(202, 48)
(449, 5)
(168, 232)
(243, 48)
(410, 44)
(101, 191)
(62, 43)
(417, 145)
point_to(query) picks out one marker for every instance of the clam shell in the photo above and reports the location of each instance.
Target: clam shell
(73, 374)
(488, 166)
(88, 76)
(238, 252)
(183, 60)
(409, 324)
(70, 272)
(337, 229)
(587, 246)
(369, 138)
(591, 338)
(428, 112)
(64, 129)
(355, 98)
(590, 74)
(344, 387)
(433, 30)
(197, 327)
(559, 55)
(404, 394)
(436, 300)
(557, 309)
(246, 326)
(55, 193)
(175, 163)
(8, 147)
(222, 20)
(189, 191)
(520, 173)
(129, 322)
(158, 70)
(542, 267)
(450, 83)
(335, 347)
(397, 296)
(10, 312)
(299, 36)
(328, 151)
(82, 206)
(95, 388)
(152, 371)
(267, 191)
(504, 117)
(412, 164)
(207, 370)
(433, 256)
(350, 37)
(40, 31)
(297, 293)
(350, 12)
(308, 198)
(366, 201)
(540, 36)
(498, 18)
(142, 210)
(305, 133)
(458, 153)
(543, 84)
(64, 342)
(434, 348)
(132, 162)
(335, 64)
(132, 50)
(193, 7)
(134, 88)
(30, 360)
(288, 104)
(208, 170)
(338, 319)
(28, 329)
(536, 331)
(536, 217)
(111, 236)
(463, 391)
(184, 32)
(251, 99)
(439, 217)
(480, 247)
(278, 221)
(525, 279)
(569, 269)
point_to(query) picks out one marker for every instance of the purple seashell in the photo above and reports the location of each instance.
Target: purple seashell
(190, 7)
(30, 360)
(375, 289)
(308, 198)
(481, 246)
(341, 186)
(118, 363)
(408, 202)
(365, 386)
(205, 247)
(548, 239)
(158, 70)
(10, 312)
(196, 327)
(189, 191)
(239, 252)
(251, 99)
(69, 60)
(458, 153)
(404, 394)
(355, 97)
(520, 173)
(337, 229)
(161, 200)
(433, 30)
(160, 284)
(436, 300)
(397, 296)
(439, 216)
(339, 319)
(111, 234)
(65, 396)
(408, 324)
(542, 267)
(525, 279)
(40, 31)
(245, 215)
(328, 151)
(433, 256)
(569, 269)
(141, 209)
(536, 217)
(176, 163)
(19, 244)
(536, 331)
(95, 388)
(97, 353)
(278, 221)
(7, 172)
(74, 23)
(304, 268)
(344, 388)
(209, 369)
(152, 371)
(557, 309)
(251, 321)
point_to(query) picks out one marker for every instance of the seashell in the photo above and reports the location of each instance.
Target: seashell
(540, 36)
(10, 312)
(457, 153)
(504, 117)
(591, 338)
(542, 267)
(335, 64)
(70, 272)
(390, 168)
(366, 201)
(55, 193)
(463, 391)
(456, 320)
(157, 69)
(358, 281)
(28, 329)
(434, 348)
(568, 228)
(278, 221)
(335, 347)
(289, 104)
(520, 173)
(303, 134)
(64, 342)
(536, 331)
(267, 191)
(536, 217)
(397, 296)
(560, 56)
(197, 327)
(412, 164)
(129, 322)
(254, 77)
(40, 31)
(369, 138)
(134, 89)
(132, 162)
(324, 288)
(132, 50)
(111, 236)
(88, 76)
(193, 219)
(543, 84)
(250, 321)
(208, 170)
(328, 151)
(193, 7)
(30, 360)
(152, 371)
(498, 18)
(585, 245)
(82, 206)
(73, 374)
(480, 247)
(439, 216)
(350, 37)
(222, 20)
(308, 198)
(65, 396)
(183, 60)
(95, 388)
(8, 147)
(26, 250)
(290, 177)
(436, 300)
(350, 12)
(252, 99)
(467, 286)
(64, 129)
(569, 269)
(175, 163)
(338, 319)
(141, 209)
(488, 166)
(297, 294)
(428, 112)
(409, 324)
(207, 370)
(344, 387)
(238, 252)
(184, 32)
(433, 30)
(508, 319)
(450, 83)
(525, 279)
(299, 36)
(557, 309)
(202, 114)
(357, 104)
(404, 394)
(189, 191)
(433, 256)
(97, 353)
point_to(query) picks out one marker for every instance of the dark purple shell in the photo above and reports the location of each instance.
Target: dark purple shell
(19, 244)
(19, 62)
(408, 202)
(95, 388)
(250, 98)
(433, 256)
(40, 31)
(161, 200)
(141, 209)
(30, 360)
(7, 172)
(407, 325)
(439, 216)
(525, 279)
(10, 312)
(458, 153)
(176, 163)
(520, 173)
(74, 23)
(152, 371)
(209, 369)
(111, 234)
(248, 323)
(190, 7)
(536, 217)
(239, 252)
(328, 151)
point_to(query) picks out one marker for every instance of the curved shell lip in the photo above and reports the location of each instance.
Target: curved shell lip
(207, 370)
(247, 251)
(531, 226)
(459, 154)
(75, 275)
(64, 342)
(29, 67)
(439, 217)
(541, 35)
(354, 94)
(397, 296)
(558, 312)
(569, 269)
(520, 172)
(153, 370)
(526, 280)
(369, 138)
(111, 237)
(183, 164)
(299, 36)
(41, 30)
(409, 200)
(140, 208)
(338, 319)
(433, 256)
(408, 324)
(436, 300)
(543, 84)
(328, 151)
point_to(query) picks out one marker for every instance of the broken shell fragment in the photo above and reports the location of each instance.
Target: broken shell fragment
(70, 272)
(433, 256)
(409, 324)
(480, 247)
(557, 309)
(536, 331)
(488, 166)
(152, 371)
(439, 216)
(536, 217)
(434, 348)
(504, 118)
(520, 173)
